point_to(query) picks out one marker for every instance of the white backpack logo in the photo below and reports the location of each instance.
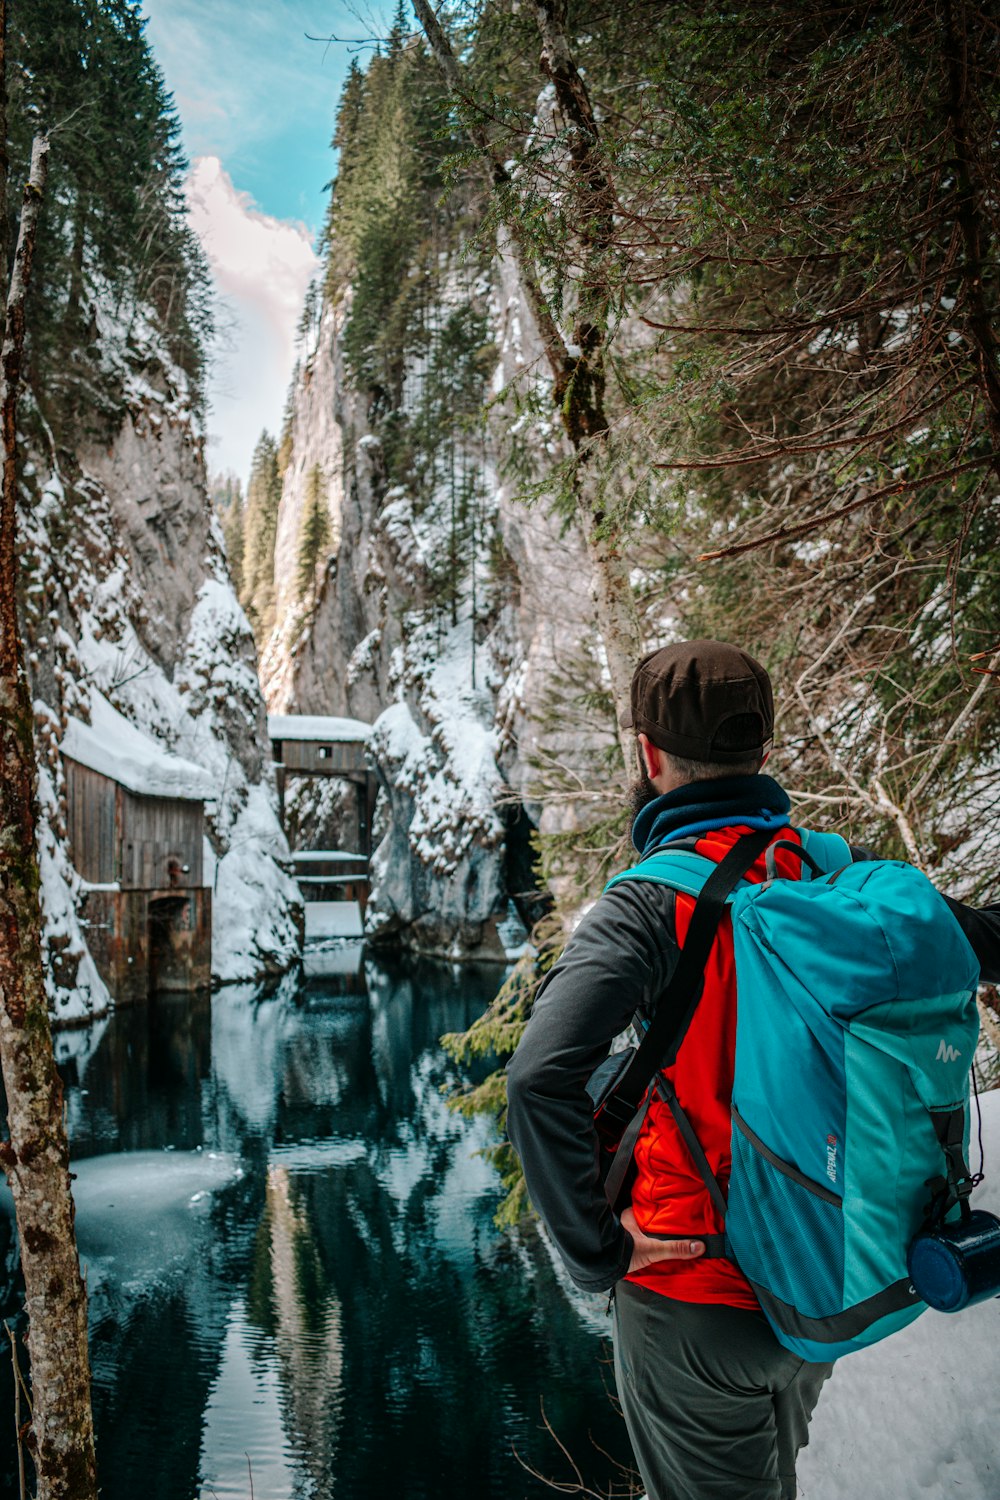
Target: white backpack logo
(947, 1053)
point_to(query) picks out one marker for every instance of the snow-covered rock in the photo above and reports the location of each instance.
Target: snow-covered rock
(142, 662)
(457, 748)
(435, 874)
(380, 646)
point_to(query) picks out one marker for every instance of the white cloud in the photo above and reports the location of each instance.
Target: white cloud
(261, 267)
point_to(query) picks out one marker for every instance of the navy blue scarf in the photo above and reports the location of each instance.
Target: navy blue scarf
(701, 806)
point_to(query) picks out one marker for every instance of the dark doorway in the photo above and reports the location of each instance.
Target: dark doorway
(171, 943)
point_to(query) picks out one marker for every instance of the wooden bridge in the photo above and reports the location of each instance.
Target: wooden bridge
(334, 882)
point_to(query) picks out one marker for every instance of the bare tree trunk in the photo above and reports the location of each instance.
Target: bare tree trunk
(36, 1158)
(577, 368)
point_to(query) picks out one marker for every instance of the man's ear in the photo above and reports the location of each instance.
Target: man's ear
(652, 756)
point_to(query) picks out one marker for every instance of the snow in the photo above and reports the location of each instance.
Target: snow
(62, 930)
(316, 727)
(330, 919)
(117, 749)
(255, 902)
(325, 960)
(915, 1415)
(363, 657)
(214, 695)
(138, 1214)
(148, 669)
(450, 770)
(216, 667)
(325, 856)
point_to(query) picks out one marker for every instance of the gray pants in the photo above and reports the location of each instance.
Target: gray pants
(716, 1409)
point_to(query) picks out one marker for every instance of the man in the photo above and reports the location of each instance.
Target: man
(716, 1408)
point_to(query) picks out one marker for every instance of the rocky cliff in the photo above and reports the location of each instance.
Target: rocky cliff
(459, 689)
(127, 595)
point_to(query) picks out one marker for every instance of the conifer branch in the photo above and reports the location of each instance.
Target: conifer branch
(803, 528)
(553, 343)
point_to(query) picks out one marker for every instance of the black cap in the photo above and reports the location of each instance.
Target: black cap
(703, 700)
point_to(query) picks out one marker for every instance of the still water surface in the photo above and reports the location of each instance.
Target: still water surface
(293, 1268)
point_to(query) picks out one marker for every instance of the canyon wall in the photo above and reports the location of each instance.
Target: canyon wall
(127, 597)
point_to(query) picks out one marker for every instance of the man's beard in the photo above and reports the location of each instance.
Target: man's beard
(641, 793)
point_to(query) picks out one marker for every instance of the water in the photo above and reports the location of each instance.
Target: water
(294, 1275)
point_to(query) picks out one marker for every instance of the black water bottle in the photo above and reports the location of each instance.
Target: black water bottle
(957, 1265)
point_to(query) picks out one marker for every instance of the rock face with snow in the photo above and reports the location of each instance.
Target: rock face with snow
(376, 645)
(459, 699)
(130, 616)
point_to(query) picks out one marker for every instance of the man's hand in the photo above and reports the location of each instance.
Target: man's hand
(645, 1250)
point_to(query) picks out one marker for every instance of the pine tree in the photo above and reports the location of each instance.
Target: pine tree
(383, 210)
(400, 29)
(227, 497)
(314, 534)
(116, 223)
(260, 530)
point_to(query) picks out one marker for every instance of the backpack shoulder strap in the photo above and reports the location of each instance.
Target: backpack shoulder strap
(685, 871)
(676, 1005)
(828, 849)
(681, 869)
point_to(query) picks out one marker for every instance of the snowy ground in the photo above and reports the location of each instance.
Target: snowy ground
(916, 1417)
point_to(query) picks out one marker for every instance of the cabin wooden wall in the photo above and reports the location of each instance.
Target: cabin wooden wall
(160, 836)
(92, 818)
(141, 842)
(322, 758)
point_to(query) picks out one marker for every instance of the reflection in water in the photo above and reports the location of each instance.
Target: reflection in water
(292, 1300)
(344, 1313)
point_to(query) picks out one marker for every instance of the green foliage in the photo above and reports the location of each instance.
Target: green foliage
(399, 255)
(382, 226)
(314, 534)
(495, 1035)
(227, 498)
(114, 232)
(260, 531)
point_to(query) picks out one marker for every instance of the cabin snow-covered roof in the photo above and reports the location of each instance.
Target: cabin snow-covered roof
(315, 727)
(112, 746)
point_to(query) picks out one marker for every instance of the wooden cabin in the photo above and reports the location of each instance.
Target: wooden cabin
(319, 745)
(136, 821)
(334, 882)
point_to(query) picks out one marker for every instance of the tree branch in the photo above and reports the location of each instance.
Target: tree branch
(803, 528)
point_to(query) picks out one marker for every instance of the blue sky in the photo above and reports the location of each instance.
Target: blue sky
(257, 101)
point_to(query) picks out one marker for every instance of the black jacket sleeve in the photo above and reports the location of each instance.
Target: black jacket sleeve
(981, 926)
(618, 960)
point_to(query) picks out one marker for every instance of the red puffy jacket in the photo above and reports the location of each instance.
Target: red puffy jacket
(669, 1196)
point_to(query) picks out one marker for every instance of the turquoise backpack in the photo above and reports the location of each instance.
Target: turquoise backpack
(856, 1025)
